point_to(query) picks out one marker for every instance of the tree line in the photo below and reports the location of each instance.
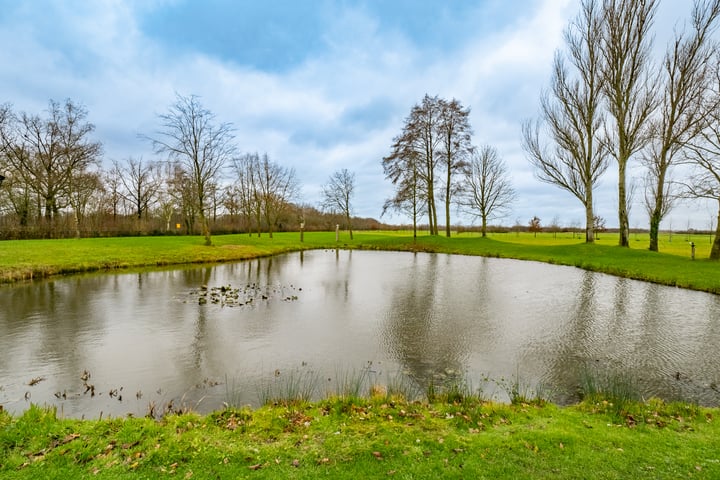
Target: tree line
(54, 183)
(610, 100)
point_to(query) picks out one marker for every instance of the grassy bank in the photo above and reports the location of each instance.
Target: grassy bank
(28, 259)
(373, 438)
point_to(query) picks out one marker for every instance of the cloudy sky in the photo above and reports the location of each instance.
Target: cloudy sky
(319, 85)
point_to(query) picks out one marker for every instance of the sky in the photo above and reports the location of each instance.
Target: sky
(318, 85)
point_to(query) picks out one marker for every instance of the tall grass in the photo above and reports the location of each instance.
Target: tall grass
(612, 389)
(519, 391)
(293, 386)
(352, 383)
(303, 384)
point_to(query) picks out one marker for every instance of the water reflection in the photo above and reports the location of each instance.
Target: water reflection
(426, 316)
(575, 345)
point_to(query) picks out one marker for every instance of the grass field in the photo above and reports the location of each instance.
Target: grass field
(27, 259)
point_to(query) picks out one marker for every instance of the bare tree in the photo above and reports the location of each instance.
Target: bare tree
(190, 136)
(404, 173)
(628, 86)
(455, 147)
(571, 115)
(534, 226)
(113, 192)
(337, 195)
(704, 153)
(231, 202)
(180, 193)
(416, 147)
(686, 91)
(141, 183)
(85, 187)
(46, 153)
(249, 197)
(265, 189)
(598, 224)
(486, 191)
(278, 186)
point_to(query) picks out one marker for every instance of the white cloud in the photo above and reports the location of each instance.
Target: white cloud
(340, 108)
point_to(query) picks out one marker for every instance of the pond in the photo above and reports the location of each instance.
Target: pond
(198, 337)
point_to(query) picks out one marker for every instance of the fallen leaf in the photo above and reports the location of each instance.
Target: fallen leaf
(257, 466)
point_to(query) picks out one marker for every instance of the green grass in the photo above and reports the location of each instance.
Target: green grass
(372, 438)
(25, 259)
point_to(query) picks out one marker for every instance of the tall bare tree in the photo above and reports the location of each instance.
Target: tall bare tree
(180, 193)
(46, 153)
(249, 200)
(418, 144)
(279, 186)
(113, 192)
(337, 195)
(265, 189)
(628, 87)
(86, 186)
(190, 136)
(487, 191)
(455, 147)
(571, 115)
(141, 183)
(704, 155)
(687, 74)
(404, 172)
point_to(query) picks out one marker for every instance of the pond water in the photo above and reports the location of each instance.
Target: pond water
(148, 342)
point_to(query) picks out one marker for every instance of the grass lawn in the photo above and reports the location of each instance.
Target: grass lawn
(378, 437)
(26, 259)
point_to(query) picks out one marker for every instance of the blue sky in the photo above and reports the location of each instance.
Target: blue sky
(319, 85)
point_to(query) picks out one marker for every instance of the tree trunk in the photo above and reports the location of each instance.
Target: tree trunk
(589, 224)
(205, 228)
(654, 231)
(589, 215)
(431, 207)
(347, 218)
(77, 224)
(715, 250)
(623, 217)
(656, 215)
(447, 203)
(414, 217)
(484, 226)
